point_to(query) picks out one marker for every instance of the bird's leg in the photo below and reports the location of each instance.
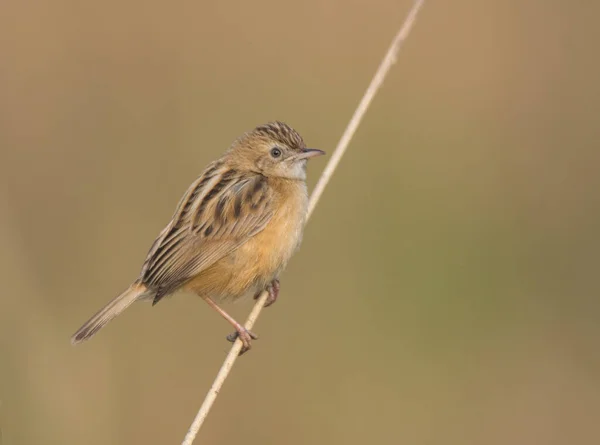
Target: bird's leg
(273, 289)
(244, 334)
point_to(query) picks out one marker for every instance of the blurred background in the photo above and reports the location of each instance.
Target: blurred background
(447, 288)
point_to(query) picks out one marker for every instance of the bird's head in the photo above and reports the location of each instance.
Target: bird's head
(274, 150)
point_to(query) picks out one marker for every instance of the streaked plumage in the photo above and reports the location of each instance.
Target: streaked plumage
(232, 232)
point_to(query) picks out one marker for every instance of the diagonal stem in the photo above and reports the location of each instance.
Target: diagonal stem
(376, 82)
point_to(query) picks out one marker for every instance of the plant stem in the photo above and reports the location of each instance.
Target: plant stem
(376, 82)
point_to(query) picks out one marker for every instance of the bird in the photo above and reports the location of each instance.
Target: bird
(233, 231)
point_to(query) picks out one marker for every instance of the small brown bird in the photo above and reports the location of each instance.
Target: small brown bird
(233, 231)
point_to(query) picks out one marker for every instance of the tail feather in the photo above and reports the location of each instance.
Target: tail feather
(108, 312)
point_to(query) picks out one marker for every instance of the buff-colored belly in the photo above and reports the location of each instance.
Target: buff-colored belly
(248, 269)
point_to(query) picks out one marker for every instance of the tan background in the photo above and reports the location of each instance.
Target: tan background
(447, 289)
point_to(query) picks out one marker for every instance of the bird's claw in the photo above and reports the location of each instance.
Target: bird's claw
(245, 336)
(273, 290)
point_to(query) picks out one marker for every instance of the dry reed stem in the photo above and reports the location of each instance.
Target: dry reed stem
(342, 145)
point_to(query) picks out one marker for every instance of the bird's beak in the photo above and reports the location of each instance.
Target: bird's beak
(309, 153)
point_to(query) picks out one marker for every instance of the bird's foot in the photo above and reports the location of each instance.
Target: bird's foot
(273, 290)
(245, 336)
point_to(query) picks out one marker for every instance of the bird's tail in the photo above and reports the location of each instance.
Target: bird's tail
(110, 311)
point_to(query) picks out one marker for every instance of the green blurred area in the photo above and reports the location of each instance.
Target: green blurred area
(446, 291)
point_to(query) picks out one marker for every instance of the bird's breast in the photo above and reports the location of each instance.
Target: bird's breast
(273, 247)
(253, 265)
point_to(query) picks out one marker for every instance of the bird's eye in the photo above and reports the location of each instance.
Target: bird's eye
(275, 152)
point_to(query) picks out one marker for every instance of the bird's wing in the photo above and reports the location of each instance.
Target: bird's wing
(220, 211)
